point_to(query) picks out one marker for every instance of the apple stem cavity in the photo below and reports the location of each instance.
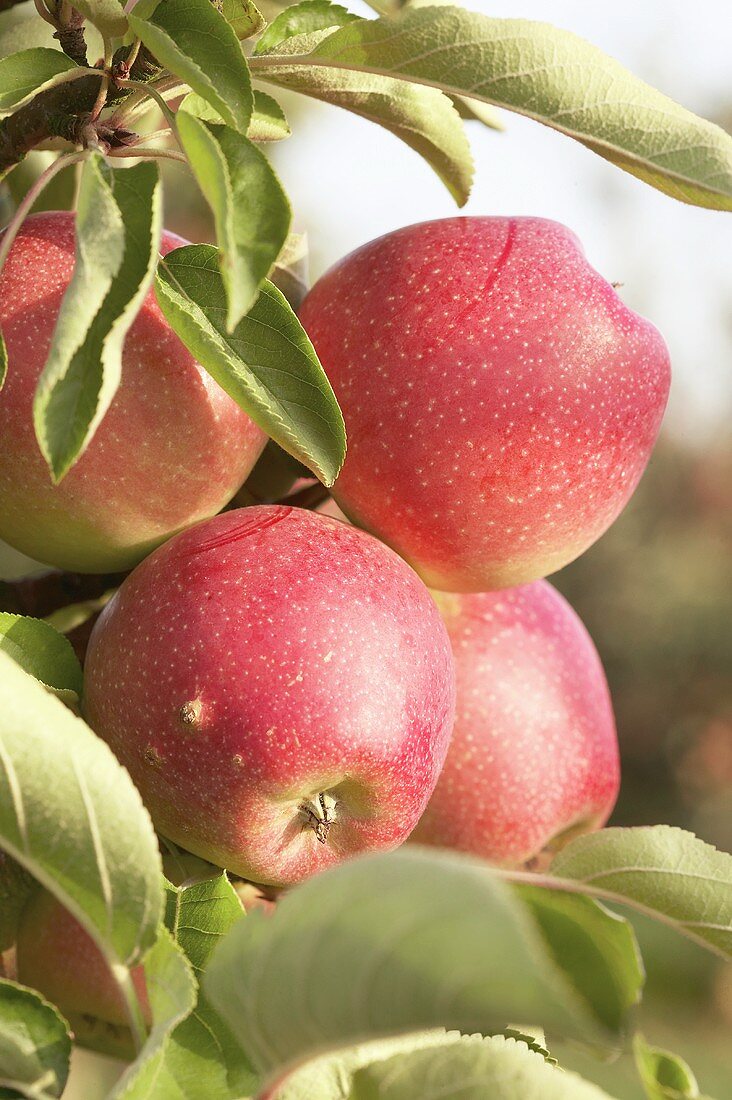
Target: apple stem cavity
(320, 813)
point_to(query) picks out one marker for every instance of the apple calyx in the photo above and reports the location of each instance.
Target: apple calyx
(189, 714)
(319, 814)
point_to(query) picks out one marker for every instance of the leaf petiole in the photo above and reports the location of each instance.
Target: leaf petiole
(153, 93)
(147, 153)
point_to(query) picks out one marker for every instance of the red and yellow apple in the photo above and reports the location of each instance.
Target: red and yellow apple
(173, 448)
(280, 687)
(534, 754)
(500, 399)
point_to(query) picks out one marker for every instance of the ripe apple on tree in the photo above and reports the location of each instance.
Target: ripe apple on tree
(57, 957)
(172, 449)
(280, 687)
(534, 756)
(501, 400)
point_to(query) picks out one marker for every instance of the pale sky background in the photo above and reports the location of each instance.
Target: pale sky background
(351, 181)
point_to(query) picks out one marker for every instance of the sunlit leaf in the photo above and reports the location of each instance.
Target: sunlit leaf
(267, 364)
(118, 228)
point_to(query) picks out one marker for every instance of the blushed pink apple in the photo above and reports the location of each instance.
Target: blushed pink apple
(501, 401)
(534, 755)
(280, 686)
(57, 957)
(173, 448)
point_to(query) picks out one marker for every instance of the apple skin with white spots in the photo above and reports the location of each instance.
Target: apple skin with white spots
(534, 754)
(260, 660)
(500, 399)
(172, 449)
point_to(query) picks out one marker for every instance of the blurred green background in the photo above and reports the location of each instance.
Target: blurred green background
(656, 590)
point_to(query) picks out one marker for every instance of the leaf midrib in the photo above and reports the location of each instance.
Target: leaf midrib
(260, 65)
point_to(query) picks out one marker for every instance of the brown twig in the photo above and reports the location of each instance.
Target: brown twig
(58, 112)
(71, 38)
(64, 110)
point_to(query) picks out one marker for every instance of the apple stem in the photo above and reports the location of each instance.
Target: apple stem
(320, 813)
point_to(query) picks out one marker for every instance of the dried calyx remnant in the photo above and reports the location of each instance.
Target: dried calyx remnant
(319, 814)
(189, 714)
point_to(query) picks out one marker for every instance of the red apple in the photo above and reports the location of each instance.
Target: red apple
(173, 448)
(501, 401)
(534, 754)
(280, 687)
(57, 957)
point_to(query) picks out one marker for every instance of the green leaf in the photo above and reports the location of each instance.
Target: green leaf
(544, 73)
(535, 1040)
(268, 119)
(108, 16)
(423, 938)
(475, 111)
(195, 1055)
(24, 74)
(195, 42)
(467, 108)
(35, 1045)
(431, 1065)
(77, 824)
(267, 365)
(3, 360)
(665, 1076)
(250, 209)
(422, 117)
(196, 105)
(66, 619)
(43, 652)
(16, 886)
(666, 872)
(291, 272)
(171, 989)
(595, 948)
(303, 18)
(118, 227)
(199, 915)
(330, 1076)
(472, 1068)
(388, 7)
(243, 16)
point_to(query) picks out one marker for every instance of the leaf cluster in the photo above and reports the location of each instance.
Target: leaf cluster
(417, 973)
(407, 968)
(424, 71)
